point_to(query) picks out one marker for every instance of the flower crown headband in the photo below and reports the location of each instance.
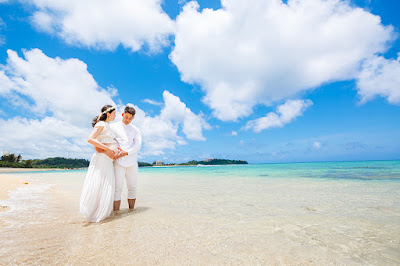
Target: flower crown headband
(109, 109)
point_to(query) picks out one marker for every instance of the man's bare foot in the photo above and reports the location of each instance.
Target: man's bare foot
(131, 203)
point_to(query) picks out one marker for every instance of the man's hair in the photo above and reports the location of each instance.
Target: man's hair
(130, 110)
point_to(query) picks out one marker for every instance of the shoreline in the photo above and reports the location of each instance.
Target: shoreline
(19, 170)
(8, 184)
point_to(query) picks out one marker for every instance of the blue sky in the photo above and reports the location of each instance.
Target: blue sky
(262, 81)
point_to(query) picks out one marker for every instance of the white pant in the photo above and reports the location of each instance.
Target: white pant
(130, 174)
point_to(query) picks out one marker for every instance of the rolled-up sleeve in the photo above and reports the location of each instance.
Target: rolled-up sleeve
(137, 143)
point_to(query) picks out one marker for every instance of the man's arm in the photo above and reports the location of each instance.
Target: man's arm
(137, 143)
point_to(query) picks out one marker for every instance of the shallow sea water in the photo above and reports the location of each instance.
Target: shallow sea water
(286, 214)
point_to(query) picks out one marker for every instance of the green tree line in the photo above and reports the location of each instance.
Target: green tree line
(15, 161)
(215, 162)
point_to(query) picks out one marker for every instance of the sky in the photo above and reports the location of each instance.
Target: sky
(265, 81)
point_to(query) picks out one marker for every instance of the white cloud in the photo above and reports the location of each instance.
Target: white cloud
(60, 98)
(285, 114)
(6, 84)
(176, 110)
(234, 133)
(262, 52)
(105, 24)
(63, 88)
(152, 102)
(160, 133)
(2, 26)
(182, 2)
(380, 77)
(112, 91)
(48, 137)
(317, 145)
(43, 21)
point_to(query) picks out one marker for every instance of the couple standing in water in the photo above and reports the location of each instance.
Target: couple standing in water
(115, 159)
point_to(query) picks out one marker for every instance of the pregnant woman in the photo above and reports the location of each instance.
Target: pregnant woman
(98, 190)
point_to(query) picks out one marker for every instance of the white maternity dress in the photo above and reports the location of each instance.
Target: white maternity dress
(98, 190)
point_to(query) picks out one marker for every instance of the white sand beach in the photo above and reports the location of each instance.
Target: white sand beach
(182, 219)
(19, 170)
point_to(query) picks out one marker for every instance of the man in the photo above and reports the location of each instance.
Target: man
(126, 166)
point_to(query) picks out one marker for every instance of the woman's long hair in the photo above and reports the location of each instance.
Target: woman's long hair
(103, 115)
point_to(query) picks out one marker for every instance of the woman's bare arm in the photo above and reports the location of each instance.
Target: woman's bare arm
(97, 144)
(92, 139)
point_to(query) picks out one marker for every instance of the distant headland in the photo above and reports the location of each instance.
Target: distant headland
(10, 160)
(203, 162)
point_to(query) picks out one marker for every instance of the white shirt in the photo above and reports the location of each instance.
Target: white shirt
(129, 139)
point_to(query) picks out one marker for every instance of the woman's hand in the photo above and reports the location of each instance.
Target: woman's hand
(99, 150)
(110, 153)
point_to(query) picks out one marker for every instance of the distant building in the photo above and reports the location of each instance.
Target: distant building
(159, 163)
(207, 160)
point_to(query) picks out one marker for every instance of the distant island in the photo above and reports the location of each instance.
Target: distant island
(204, 162)
(13, 161)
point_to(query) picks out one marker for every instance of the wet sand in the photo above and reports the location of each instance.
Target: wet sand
(55, 233)
(8, 183)
(151, 236)
(13, 170)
